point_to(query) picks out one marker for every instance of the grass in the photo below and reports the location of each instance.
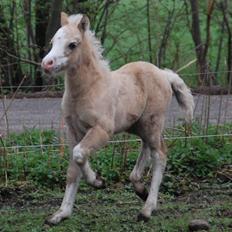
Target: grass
(115, 209)
(197, 184)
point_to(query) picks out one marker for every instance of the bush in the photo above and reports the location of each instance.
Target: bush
(46, 163)
(34, 156)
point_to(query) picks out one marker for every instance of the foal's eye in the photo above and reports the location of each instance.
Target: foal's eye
(72, 46)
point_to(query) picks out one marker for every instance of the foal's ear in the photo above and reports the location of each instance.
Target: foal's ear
(84, 23)
(63, 19)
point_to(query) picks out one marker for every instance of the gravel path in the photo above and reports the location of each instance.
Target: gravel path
(45, 112)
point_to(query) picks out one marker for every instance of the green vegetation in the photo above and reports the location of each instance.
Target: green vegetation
(197, 184)
(130, 30)
(35, 159)
(38, 157)
(115, 209)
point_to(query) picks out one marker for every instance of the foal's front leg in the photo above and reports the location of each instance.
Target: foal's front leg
(91, 177)
(74, 175)
(95, 138)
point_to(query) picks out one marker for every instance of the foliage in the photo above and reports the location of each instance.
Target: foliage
(45, 163)
(32, 156)
(122, 27)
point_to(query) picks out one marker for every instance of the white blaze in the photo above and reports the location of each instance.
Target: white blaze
(57, 53)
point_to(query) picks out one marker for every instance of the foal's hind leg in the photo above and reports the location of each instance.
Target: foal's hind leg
(91, 177)
(158, 158)
(136, 174)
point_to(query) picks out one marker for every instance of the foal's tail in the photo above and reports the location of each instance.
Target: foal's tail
(182, 94)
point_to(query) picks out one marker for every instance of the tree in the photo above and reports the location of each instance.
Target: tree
(41, 19)
(54, 19)
(223, 6)
(10, 69)
(171, 18)
(205, 76)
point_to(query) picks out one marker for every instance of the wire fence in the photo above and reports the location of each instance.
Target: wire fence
(18, 162)
(17, 147)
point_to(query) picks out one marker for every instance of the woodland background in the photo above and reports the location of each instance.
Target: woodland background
(168, 33)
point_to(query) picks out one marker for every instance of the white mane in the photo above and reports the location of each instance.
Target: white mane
(97, 47)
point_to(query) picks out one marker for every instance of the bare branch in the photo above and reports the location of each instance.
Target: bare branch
(20, 58)
(12, 99)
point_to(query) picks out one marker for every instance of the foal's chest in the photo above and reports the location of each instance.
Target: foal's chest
(75, 124)
(77, 116)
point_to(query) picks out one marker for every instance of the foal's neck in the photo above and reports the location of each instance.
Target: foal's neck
(84, 74)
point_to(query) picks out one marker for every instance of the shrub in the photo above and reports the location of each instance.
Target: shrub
(46, 163)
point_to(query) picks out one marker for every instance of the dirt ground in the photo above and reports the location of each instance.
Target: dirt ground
(115, 209)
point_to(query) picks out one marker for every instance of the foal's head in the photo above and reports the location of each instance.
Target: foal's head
(66, 43)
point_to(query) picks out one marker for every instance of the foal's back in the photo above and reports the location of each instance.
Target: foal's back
(151, 81)
(144, 92)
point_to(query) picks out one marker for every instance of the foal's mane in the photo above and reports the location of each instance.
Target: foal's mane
(96, 46)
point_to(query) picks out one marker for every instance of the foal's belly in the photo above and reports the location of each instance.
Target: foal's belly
(131, 101)
(127, 113)
(124, 122)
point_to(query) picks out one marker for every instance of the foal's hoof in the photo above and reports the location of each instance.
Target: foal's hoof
(142, 217)
(51, 221)
(99, 182)
(143, 195)
(48, 222)
(57, 217)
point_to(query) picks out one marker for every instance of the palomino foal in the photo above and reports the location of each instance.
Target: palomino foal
(98, 103)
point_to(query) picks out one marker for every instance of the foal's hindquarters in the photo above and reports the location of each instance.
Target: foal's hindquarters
(149, 128)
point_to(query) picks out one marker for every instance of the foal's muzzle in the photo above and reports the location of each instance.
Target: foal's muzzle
(48, 66)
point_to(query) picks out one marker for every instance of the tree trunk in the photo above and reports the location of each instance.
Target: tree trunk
(103, 34)
(41, 15)
(199, 48)
(10, 69)
(166, 33)
(220, 46)
(54, 19)
(224, 8)
(205, 77)
(30, 35)
(149, 32)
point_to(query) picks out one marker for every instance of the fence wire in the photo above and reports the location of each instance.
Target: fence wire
(17, 147)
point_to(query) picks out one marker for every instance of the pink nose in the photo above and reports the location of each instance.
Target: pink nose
(48, 65)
